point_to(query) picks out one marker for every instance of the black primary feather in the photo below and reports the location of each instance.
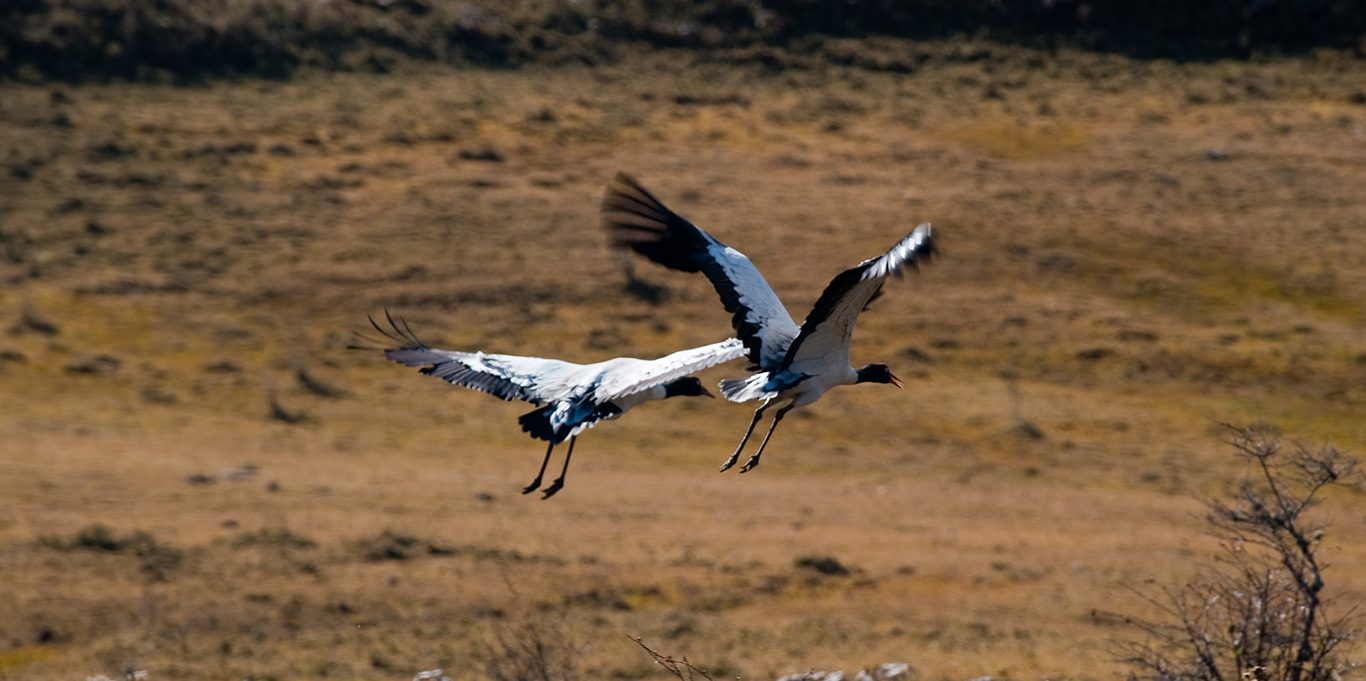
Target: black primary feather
(635, 219)
(398, 332)
(459, 374)
(447, 369)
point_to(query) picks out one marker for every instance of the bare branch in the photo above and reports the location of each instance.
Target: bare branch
(1261, 614)
(680, 668)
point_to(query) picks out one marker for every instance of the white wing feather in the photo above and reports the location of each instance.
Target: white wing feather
(830, 325)
(765, 316)
(531, 379)
(635, 219)
(627, 376)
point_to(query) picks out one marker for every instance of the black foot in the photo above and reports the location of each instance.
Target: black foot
(553, 488)
(750, 465)
(730, 462)
(535, 484)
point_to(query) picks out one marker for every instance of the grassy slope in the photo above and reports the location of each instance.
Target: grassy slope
(1193, 230)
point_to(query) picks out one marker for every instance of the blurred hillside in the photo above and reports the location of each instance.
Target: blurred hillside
(188, 39)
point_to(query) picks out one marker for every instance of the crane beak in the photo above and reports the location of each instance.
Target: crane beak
(707, 393)
(895, 381)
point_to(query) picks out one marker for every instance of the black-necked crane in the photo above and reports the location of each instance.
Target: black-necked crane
(573, 397)
(794, 365)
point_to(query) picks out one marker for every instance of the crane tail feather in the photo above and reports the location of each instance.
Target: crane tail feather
(748, 388)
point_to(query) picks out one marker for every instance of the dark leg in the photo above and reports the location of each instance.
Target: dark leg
(559, 482)
(537, 482)
(749, 431)
(754, 460)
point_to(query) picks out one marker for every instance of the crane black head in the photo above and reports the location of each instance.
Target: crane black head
(688, 386)
(877, 373)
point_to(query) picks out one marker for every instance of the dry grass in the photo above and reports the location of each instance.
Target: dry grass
(1143, 247)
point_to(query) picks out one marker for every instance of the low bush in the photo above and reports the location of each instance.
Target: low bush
(1263, 614)
(156, 558)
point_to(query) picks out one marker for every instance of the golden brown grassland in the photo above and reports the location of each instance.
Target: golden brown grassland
(1133, 251)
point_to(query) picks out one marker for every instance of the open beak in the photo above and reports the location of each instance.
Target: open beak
(895, 381)
(707, 393)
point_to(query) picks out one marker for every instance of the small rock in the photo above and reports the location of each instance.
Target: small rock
(30, 320)
(813, 676)
(239, 473)
(888, 671)
(317, 387)
(1027, 430)
(94, 366)
(826, 565)
(914, 353)
(226, 366)
(158, 395)
(1094, 354)
(431, 675)
(485, 153)
(280, 413)
(1136, 335)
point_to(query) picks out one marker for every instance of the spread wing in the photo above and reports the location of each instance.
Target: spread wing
(507, 377)
(635, 219)
(831, 322)
(628, 376)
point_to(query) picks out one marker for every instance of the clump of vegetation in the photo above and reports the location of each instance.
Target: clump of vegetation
(157, 559)
(538, 649)
(317, 386)
(279, 412)
(274, 537)
(390, 545)
(31, 320)
(825, 565)
(1263, 614)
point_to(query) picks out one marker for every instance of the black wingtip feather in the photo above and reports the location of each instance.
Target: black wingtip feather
(636, 220)
(849, 278)
(398, 332)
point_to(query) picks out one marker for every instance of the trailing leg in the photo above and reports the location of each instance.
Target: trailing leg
(559, 482)
(754, 460)
(748, 431)
(537, 482)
